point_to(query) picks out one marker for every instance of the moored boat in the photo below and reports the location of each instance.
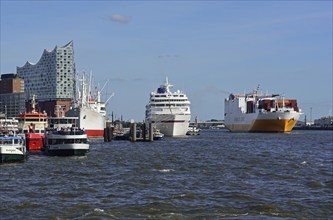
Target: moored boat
(64, 139)
(169, 111)
(88, 119)
(157, 135)
(73, 142)
(90, 110)
(193, 130)
(12, 148)
(32, 125)
(257, 112)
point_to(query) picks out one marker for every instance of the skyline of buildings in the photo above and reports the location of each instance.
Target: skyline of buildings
(51, 80)
(52, 77)
(12, 96)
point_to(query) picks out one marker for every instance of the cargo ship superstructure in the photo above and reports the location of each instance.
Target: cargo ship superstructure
(254, 112)
(169, 111)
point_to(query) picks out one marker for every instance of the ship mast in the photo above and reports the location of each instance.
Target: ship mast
(33, 104)
(89, 88)
(167, 85)
(84, 95)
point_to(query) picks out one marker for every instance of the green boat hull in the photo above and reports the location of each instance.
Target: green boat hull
(4, 158)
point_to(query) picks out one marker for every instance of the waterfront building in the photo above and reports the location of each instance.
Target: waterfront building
(51, 79)
(12, 97)
(324, 121)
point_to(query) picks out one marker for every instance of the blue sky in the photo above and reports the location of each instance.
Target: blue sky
(206, 48)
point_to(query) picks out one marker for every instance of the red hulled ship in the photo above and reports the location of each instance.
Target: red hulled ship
(32, 125)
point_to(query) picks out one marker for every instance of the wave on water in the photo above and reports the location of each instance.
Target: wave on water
(213, 175)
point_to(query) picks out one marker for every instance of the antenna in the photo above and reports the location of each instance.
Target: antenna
(104, 85)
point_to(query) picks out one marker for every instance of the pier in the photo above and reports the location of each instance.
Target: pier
(208, 124)
(142, 136)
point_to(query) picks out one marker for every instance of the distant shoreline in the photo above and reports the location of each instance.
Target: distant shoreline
(312, 128)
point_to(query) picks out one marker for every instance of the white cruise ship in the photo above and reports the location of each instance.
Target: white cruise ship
(169, 111)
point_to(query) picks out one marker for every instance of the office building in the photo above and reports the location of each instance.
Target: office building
(12, 96)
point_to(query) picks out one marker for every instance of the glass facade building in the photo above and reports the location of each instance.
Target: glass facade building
(52, 77)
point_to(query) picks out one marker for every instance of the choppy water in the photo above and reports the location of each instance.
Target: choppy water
(214, 175)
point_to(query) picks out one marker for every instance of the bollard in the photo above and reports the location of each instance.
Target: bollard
(105, 135)
(108, 138)
(144, 131)
(151, 132)
(133, 132)
(111, 133)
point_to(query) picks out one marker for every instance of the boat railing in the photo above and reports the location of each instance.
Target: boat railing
(70, 132)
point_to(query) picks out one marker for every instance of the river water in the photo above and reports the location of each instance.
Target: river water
(214, 175)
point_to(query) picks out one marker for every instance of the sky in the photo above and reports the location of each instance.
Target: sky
(207, 49)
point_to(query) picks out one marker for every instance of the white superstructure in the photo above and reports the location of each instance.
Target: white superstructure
(66, 142)
(89, 109)
(169, 111)
(12, 148)
(254, 112)
(8, 125)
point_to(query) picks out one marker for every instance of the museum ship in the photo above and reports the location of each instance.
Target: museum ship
(90, 110)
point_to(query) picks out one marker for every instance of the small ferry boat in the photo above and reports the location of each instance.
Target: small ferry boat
(12, 146)
(32, 125)
(257, 112)
(72, 142)
(64, 139)
(169, 111)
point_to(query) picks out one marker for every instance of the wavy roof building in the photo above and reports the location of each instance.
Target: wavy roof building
(52, 77)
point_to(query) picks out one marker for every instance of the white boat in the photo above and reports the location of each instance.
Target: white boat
(169, 111)
(193, 130)
(12, 145)
(64, 139)
(9, 125)
(254, 112)
(90, 110)
(12, 148)
(89, 120)
(66, 143)
(157, 135)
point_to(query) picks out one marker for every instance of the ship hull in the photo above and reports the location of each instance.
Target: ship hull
(171, 125)
(34, 142)
(91, 121)
(263, 122)
(67, 150)
(7, 158)
(10, 154)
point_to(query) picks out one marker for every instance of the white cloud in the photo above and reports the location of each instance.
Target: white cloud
(120, 18)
